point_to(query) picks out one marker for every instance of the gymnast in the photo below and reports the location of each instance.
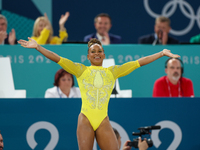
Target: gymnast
(96, 85)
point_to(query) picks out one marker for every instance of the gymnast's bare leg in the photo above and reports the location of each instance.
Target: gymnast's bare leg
(106, 137)
(85, 133)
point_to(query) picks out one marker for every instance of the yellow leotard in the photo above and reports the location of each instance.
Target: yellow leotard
(96, 85)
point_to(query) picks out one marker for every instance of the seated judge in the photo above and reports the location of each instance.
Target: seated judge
(173, 84)
(63, 86)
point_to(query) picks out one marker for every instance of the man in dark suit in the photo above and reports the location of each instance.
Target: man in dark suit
(102, 23)
(161, 28)
(4, 37)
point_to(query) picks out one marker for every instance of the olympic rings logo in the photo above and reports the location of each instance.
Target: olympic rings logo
(167, 12)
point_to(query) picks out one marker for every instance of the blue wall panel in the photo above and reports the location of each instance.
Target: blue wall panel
(59, 116)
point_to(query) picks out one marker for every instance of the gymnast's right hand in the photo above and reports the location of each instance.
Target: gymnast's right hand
(28, 44)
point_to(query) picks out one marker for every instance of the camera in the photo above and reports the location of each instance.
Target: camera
(143, 131)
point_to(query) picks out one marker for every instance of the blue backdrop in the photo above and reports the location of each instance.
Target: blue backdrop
(130, 19)
(25, 121)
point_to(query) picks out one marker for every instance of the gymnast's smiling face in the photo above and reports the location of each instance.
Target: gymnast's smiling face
(96, 55)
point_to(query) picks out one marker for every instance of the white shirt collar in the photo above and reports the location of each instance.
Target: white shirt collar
(99, 37)
(71, 93)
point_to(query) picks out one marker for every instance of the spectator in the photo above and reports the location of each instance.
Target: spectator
(142, 145)
(4, 37)
(103, 24)
(1, 141)
(63, 86)
(43, 31)
(195, 39)
(161, 29)
(174, 84)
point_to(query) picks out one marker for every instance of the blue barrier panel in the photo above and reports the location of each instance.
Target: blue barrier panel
(26, 121)
(35, 73)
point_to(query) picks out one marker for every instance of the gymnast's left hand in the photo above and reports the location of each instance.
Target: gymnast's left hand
(28, 44)
(168, 53)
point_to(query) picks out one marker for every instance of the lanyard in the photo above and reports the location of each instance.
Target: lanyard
(59, 93)
(169, 89)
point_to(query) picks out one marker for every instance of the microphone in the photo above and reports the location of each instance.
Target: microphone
(158, 40)
(155, 127)
(160, 36)
(150, 127)
(114, 90)
(154, 42)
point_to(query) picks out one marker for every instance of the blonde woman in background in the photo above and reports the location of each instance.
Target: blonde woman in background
(43, 31)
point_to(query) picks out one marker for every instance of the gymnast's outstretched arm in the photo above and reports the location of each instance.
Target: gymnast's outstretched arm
(33, 44)
(148, 59)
